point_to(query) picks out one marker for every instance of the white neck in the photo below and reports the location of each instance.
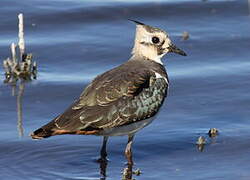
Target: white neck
(156, 59)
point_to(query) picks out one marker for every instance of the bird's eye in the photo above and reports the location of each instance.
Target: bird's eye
(155, 40)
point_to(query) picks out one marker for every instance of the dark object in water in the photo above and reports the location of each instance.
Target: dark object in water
(137, 172)
(185, 35)
(22, 68)
(213, 132)
(201, 143)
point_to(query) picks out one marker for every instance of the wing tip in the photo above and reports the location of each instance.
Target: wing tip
(39, 134)
(33, 136)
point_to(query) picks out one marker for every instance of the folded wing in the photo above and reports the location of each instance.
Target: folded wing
(118, 97)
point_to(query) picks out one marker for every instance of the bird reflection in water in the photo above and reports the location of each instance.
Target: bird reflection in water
(127, 172)
(103, 168)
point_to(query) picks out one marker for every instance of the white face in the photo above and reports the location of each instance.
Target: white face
(153, 43)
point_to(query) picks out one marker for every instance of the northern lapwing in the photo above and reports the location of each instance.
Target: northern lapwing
(122, 100)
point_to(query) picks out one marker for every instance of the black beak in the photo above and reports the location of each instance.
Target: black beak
(174, 49)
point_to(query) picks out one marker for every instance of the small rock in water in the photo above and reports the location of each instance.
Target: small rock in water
(201, 143)
(213, 132)
(185, 35)
(137, 172)
(201, 140)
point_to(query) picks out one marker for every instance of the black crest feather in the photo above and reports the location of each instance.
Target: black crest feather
(136, 22)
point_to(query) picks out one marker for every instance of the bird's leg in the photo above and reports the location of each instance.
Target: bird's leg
(103, 152)
(103, 159)
(128, 151)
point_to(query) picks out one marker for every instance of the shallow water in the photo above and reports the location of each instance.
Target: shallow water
(73, 41)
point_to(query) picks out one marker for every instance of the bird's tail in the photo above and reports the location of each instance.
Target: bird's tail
(43, 132)
(40, 134)
(51, 129)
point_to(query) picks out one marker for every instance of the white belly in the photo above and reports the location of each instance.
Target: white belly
(127, 129)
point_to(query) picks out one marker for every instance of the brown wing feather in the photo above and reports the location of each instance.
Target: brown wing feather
(117, 97)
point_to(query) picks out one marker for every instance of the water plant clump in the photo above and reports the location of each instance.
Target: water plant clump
(21, 68)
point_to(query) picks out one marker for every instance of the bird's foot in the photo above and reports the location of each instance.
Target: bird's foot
(128, 172)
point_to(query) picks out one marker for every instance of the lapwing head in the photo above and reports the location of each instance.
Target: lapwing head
(153, 43)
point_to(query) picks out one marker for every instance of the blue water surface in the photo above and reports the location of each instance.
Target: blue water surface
(73, 41)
